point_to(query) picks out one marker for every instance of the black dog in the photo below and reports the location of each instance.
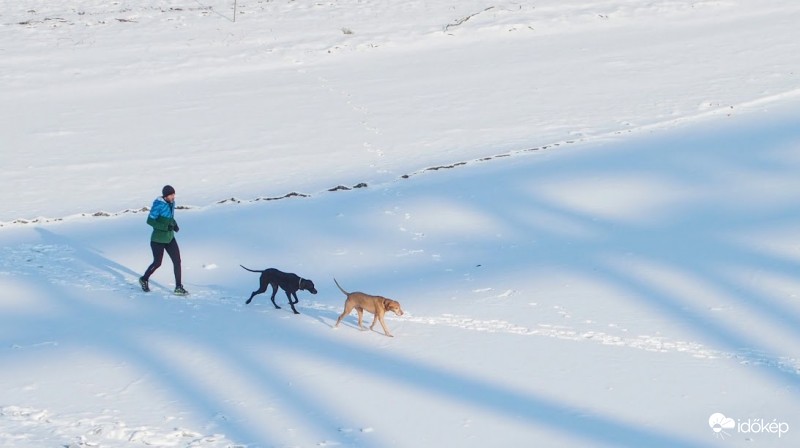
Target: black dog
(289, 283)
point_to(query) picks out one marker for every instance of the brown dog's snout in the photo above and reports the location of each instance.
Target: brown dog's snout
(394, 306)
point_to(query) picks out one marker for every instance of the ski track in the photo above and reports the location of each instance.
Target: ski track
(59, 264)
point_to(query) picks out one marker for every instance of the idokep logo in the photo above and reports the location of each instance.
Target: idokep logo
(721, 425)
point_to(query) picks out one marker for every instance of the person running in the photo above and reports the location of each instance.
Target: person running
(162, 219)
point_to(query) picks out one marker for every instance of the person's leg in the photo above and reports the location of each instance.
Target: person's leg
(158, 256)
(174, 253)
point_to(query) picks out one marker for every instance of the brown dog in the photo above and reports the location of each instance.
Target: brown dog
(376, 305)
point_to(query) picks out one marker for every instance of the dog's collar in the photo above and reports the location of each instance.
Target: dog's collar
(300, 284)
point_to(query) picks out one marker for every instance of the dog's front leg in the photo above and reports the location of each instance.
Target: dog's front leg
(379, 317)
(291, 303)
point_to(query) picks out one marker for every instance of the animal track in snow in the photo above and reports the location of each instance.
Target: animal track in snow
(564, 332)
(641, 342)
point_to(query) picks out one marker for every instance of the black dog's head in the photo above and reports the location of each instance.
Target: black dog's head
(308, 285)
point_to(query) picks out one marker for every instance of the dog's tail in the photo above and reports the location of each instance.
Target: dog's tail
(248, 269)
(340, 288)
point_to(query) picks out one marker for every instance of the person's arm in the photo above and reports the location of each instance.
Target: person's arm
(156, 218)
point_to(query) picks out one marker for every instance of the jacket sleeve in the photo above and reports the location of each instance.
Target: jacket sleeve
(159, 218)
(160, 223)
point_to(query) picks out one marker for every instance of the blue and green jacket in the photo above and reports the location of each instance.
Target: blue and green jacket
(162, 219)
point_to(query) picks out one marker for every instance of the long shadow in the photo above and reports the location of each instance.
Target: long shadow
(584, 257)
(85, 323)
(82, 324)
(692, 242)
(695, 240)
(89, 256)
(503, 401)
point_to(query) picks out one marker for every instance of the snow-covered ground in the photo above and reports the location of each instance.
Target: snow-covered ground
(588, 210)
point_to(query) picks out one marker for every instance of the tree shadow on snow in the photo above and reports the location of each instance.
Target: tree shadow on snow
(694, 239)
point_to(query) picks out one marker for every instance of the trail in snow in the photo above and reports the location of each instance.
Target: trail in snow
(59, 265)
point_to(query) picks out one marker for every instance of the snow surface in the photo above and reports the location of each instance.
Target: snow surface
(588, 210)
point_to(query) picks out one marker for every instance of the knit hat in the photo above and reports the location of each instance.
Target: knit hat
(167, 190)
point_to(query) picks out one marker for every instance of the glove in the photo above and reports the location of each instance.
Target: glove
(173, 227)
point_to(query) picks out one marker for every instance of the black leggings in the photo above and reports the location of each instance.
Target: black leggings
(174, 253)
